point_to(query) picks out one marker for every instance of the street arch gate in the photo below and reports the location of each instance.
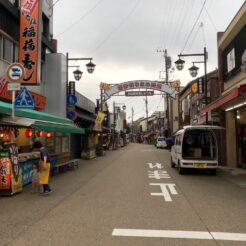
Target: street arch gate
(137, 84)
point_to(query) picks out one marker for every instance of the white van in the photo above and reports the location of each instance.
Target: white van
(195, 147)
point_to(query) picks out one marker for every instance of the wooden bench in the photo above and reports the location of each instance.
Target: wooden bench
(65, 166)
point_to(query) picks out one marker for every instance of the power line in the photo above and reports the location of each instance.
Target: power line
(117, 27)
(81, 18)
(194, 25)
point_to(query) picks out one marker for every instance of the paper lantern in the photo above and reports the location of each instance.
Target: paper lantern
(38, 133)
(47, 134)
(28, 133)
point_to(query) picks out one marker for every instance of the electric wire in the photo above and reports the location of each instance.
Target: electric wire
(194, 26)
(81, 18)
(117, 27)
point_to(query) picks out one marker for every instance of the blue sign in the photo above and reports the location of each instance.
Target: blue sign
(72, 115)
(24, 99)
(71, 100)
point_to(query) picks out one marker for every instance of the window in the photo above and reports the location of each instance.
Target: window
(7, 50)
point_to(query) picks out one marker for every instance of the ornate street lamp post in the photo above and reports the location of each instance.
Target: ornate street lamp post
(194, 71)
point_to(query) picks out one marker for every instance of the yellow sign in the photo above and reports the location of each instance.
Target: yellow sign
(104, 86)
(175, 84)
(100, 117)
(194, 87)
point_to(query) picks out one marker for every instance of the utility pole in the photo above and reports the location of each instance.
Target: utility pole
(146, 103)
(132, 121)
(167, 67)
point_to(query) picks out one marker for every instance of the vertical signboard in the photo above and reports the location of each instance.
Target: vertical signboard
(5, 171)
(29, 43)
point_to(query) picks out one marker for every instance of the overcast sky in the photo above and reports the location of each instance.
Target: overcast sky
(123, 37)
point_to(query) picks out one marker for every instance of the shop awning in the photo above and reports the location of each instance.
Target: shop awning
(223, 99)
(52, 127)
(40, 120)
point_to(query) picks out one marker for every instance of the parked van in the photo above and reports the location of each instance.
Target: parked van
(161, 142)
(195, 147)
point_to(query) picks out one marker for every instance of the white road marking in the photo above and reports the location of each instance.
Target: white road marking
(157, 165)
(158, 174)
(165, 192)
(180, 234)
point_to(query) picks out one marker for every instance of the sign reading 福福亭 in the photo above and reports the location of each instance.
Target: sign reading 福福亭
(29, 40)
(24, 99)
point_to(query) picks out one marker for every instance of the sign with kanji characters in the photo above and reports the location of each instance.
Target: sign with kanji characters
(139, 84)
(24, 99)
(29, 49)
(5, 171)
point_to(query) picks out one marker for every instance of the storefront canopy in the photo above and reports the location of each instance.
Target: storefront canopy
(41, 120)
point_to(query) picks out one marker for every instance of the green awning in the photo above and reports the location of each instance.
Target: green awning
(6, 108)
(51, 127)
(42, 121)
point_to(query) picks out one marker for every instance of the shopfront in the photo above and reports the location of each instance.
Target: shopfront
(26, 127)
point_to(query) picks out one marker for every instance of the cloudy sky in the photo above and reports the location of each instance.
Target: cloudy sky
(126, 39)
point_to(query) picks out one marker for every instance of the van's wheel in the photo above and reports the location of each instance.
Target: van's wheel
(213, 171)
(172, 163)
(180, 169)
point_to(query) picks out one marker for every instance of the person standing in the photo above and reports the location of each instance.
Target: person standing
(44, 167)
(35, 186)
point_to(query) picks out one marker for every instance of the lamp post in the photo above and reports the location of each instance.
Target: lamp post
(194, 71)
(114, 119)
(77, 73)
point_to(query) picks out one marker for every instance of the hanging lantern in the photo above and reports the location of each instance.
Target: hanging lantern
(38, 134)
(47, 134)
(28, 133)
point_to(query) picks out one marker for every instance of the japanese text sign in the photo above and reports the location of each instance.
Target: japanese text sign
(28, 52)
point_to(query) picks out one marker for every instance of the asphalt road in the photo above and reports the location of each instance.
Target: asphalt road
(130, 196)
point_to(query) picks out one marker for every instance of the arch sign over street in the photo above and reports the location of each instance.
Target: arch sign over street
(138, 84)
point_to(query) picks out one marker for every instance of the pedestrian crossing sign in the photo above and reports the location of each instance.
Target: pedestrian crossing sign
(24, 99)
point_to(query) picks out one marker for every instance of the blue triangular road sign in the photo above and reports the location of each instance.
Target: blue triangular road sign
(24, 99)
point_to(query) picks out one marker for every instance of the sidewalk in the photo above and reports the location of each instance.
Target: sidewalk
(234, 175)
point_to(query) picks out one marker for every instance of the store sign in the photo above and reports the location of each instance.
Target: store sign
(16, 184)
(71, 88)
(29, 49)
(139, 84)
(138, 93)
(194, 87)
(5, 171)
(3, 82)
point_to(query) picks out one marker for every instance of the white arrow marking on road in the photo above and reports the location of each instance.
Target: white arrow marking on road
(165, 191)
(225, 236)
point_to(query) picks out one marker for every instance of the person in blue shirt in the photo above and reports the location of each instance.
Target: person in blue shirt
(44, 167)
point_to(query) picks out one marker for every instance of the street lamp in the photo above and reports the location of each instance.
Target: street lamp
(77, 73)
(194, 71)
(114, 118)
